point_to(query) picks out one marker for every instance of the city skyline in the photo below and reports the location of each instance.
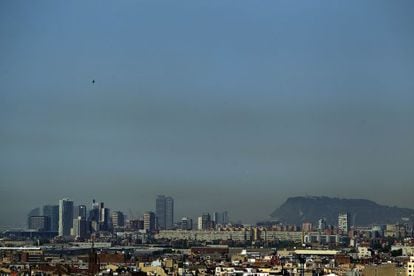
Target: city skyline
(81, 210)
(213, 216)
(237, 104)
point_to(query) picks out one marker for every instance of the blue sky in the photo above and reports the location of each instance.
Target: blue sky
(225, 105)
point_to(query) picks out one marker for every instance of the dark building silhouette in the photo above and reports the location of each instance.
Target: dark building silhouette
(52, 211)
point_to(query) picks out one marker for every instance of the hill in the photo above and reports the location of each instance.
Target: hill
(363, 212)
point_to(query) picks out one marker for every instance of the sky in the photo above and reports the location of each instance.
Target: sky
(223, 105)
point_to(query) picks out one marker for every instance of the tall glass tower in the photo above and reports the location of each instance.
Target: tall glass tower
(52, 211)
(169, 213)
(65, 216)
(164, 211)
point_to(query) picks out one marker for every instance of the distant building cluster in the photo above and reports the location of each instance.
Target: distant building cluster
(69, 221)
(77, 222)
(75, 239)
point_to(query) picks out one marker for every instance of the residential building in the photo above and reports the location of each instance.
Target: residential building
(149, 221)
(118, 219)
(410, 267)
(344, 223)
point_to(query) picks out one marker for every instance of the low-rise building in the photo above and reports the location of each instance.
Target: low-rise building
(410, 267)
(364, 252)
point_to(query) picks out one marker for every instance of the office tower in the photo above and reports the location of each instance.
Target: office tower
(186, 223)
(95, 205)
(160, 211)
(149, 221)
(200, 223)
(93, 214)
(204, 222)
(79, 229)
(93, 220)
(79, 211)
(169, 213)
(101, 212)
(164, 211)
(52, 211)
(33, 212)
(65, 216)
(220, 218)
(343, 222)
(99, 217)
(39, 223)
(216, 218)
(118, 219)
(225, 218)
(104, 218)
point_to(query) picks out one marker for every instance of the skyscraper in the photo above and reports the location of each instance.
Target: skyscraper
(52, 211)
(65, 216)
(204, 222)
(118, 219)
(104, 218)
(343, 222)
(225, 218)
(220, 218)
(216, 218)
(93, 218)
(79, 211)
(79, 227)
(149, 221)
(200, 223)
(160, 208)
(164, 211)
(169, 213)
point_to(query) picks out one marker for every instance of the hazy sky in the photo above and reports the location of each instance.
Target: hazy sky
(224, 105)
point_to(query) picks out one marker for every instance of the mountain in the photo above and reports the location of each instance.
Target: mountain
(297, 210)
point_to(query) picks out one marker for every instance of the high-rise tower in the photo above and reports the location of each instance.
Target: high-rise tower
(80, 211)
(149, 221)
(65, 216)
(343, 222)
(160, 208)
(164, 211)
(169, 213)
(52, 211)
(118, 219)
